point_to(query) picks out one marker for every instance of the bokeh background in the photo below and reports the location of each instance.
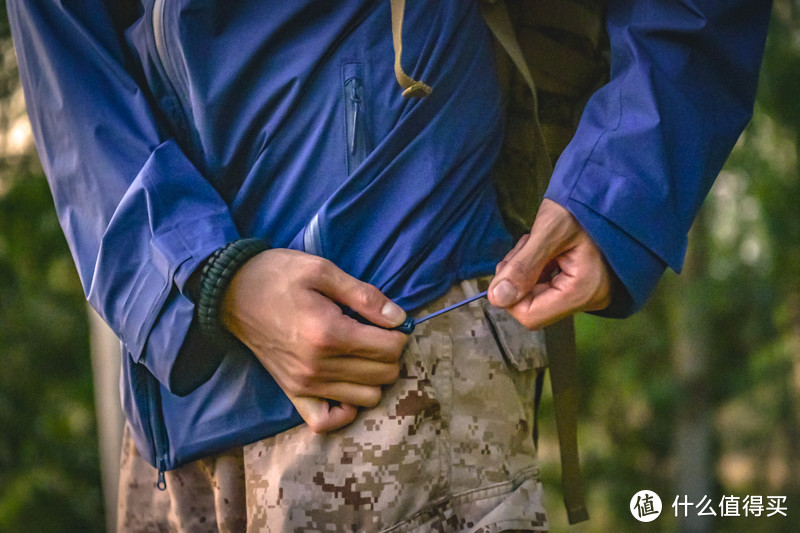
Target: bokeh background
(697, 395)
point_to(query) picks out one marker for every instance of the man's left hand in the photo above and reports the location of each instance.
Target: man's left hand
(553, 272)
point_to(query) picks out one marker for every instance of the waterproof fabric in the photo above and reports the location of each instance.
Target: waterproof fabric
(206, 121)
(652, 140)
(448, 448)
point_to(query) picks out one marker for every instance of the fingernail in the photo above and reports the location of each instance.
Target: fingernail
(393, 313)
(505, 294)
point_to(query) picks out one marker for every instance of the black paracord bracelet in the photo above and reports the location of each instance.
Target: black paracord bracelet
(216, 275)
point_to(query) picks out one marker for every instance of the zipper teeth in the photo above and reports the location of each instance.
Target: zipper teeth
(157, 432)
(161, 482)
(158, 29)
(355, 98)
(160, 39)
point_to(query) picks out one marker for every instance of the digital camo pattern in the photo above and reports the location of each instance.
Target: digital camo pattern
(202, 496)
(449, 449)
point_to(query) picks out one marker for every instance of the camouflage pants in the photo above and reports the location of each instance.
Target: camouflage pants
(449, 448)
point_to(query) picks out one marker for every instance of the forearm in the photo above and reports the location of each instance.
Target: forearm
(136, 213)
(652, 141)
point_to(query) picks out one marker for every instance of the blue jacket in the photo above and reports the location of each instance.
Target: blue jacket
(651, 142)
(145, 128)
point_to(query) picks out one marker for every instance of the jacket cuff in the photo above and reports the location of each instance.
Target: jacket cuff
(177, 352)
(140, 275)
(637, 269)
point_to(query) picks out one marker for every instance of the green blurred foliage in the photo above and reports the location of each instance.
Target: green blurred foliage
(734, 313)
(49, 473)
(49, 465)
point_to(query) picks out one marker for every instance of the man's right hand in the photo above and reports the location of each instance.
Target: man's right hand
(282, 304)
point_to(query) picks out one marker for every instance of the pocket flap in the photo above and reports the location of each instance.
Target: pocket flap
(523, 349)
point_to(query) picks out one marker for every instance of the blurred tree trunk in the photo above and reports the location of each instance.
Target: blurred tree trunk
(690, 335)
(792, 414)
(106, 362)
(783, 96)
(793, 299)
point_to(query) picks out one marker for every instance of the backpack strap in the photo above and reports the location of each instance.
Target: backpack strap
(525, 166)
(497, 18)
(563, 358)
(559, 338)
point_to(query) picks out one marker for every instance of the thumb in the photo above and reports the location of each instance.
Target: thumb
(517, 274)
(554, 231)
(363, 298)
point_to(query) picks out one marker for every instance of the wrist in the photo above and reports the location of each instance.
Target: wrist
(214, 278)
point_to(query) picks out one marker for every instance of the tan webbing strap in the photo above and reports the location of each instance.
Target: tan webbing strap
(411, 88)
(497, 18)
(495, 13)
(563, 359)
(560, 338)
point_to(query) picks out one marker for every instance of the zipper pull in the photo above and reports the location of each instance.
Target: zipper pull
(162, 478)
(409, 324)
(355, 97)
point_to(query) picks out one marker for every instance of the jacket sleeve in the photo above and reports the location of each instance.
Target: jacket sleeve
(651, 141)
(137, 215)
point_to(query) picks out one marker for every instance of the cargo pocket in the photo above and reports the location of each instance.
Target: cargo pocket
(525, 355)
(522, 348)
(384, 467)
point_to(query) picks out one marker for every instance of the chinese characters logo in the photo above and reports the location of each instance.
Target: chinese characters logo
(645, 506)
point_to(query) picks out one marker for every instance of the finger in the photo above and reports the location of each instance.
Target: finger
(517, 247)
(373, 343)
(567, 293)
(545, 305)
(549, 270)
(553, 233)
(363, 298)
(348, 393)
(518, 275)
(323, 416)
(332, 332)
(359, 370)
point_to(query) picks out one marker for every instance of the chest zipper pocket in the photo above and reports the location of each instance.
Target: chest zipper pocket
(358, 140)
